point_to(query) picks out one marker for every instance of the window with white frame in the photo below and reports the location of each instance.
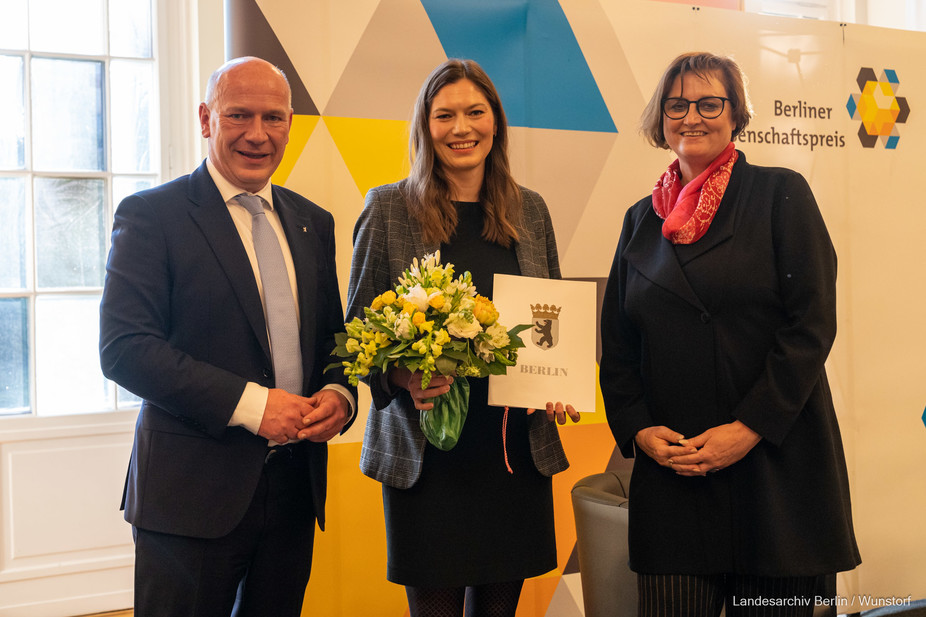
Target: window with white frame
(80, 111)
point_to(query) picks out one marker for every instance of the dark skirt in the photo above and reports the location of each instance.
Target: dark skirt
(468, 521)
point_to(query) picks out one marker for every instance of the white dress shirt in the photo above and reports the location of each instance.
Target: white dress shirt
(250, 409)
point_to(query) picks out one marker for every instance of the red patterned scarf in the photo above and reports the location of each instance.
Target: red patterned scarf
(688, 210)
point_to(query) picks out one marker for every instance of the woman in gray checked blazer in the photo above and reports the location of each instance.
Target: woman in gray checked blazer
(461, 527)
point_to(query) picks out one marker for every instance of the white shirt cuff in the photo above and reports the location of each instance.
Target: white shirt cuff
(250, 410)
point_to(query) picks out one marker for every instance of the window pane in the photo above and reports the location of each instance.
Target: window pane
(69, 232)
(13, 24)
(13, 112)
(123, 186)
(130, 28)
(67, 363)
(14, 361)
(69, 26)
(126, 400)
(67, 115)
(13, 234)
(133, 124)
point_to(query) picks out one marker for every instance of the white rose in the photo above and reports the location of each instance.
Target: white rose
(484, 350)
(418, 296)
(461, 326)
(499, 335)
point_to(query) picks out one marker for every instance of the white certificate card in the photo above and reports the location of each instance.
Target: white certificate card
(557, 362)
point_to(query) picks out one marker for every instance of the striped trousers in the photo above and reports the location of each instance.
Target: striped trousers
(686, 595)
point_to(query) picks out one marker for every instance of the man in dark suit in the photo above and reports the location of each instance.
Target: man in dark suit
(228, 471)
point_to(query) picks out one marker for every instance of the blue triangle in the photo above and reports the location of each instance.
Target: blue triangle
(529, 50)
(851, 106)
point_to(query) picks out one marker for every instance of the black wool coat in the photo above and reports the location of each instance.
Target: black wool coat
(737, 325)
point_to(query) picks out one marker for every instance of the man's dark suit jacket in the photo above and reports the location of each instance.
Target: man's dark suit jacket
(182, 326)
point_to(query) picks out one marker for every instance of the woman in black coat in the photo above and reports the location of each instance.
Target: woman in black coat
(719, 313)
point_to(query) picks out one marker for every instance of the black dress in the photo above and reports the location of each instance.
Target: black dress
(468, 521)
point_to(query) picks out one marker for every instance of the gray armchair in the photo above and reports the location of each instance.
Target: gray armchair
(609, 587)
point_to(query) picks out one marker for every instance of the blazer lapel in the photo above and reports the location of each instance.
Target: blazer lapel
(658, 259)
(525, 248)
(212, 217)
(654, 257)
(724, 223)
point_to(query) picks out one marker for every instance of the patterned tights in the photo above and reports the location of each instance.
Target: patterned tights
(491, 600)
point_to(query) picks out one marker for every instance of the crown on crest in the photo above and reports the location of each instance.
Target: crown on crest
(545, 311)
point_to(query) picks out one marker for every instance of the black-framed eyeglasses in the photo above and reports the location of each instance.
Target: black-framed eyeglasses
(708, 107)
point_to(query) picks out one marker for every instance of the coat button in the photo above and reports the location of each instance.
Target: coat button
(705, 317)
(267, 373)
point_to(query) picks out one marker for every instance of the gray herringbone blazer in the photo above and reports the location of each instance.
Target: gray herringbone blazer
(386, 239)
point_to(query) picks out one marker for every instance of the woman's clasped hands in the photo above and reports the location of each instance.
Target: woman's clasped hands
(715, 449)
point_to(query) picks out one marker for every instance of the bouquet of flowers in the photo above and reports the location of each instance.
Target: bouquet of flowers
(431, 322)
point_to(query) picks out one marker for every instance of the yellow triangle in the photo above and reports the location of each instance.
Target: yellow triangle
(299, 134)
(375, 151)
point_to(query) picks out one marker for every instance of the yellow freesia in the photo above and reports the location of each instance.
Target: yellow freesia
(441, 338)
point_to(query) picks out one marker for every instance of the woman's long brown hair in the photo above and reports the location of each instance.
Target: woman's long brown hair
(427, 189)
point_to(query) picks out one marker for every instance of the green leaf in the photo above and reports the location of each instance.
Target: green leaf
(460, 356)
(333, 365)
(386, 329)
(495, 368)
(501, 359)
(515, 335)
(445, 365)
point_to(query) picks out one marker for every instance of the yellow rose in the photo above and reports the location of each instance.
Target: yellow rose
(436, 301)
(484, 311)
(388, 297)
(418, 318)
(377, 303)
(409, 308)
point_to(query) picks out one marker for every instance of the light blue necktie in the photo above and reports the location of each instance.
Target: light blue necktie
(278, 298)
